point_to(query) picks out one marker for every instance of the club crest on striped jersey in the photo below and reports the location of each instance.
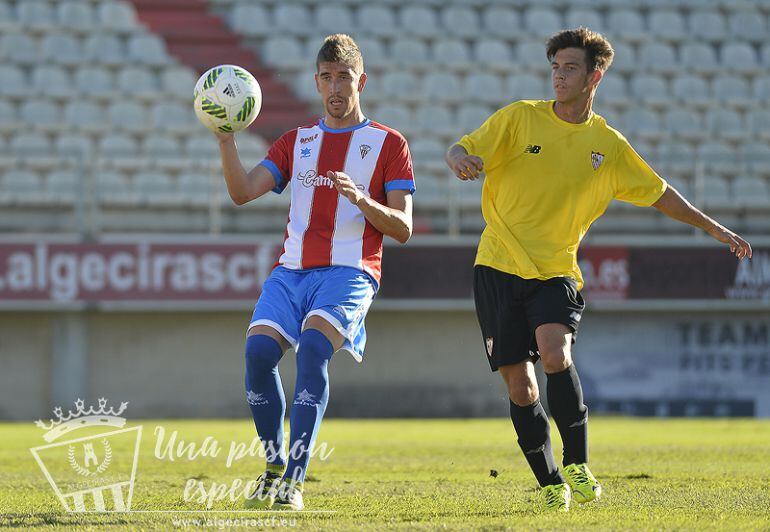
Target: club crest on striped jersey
(596, 159)
(490, 343)
(364, 149)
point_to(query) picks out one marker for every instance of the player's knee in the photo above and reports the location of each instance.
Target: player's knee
(555, 355)
(523, 392)
(314, 352)
(262, 354)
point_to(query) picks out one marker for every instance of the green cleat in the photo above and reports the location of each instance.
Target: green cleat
(263, 496)
(585, 487)
(556, 497)
(289, 496)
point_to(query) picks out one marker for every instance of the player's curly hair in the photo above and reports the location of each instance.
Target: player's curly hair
(341, 48)
(599, 52)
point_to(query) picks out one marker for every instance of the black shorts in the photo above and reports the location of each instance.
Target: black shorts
(510, 308)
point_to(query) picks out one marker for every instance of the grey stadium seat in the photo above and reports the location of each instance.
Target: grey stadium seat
(35, 15)
(483, 87)
(42, 115)
(14, 82)
(750, 191)
(500, 20)
(291, 18)
(725, 123)
(95, 81)
(627, 23)
(460, 20)
(420, 21)
(442, 87)
(74, 147)
(642, 122)
(334, 18)
(685, 124)
(748, 25)
(624, 60)
(716, 191)
(178, 82)
(471, 116)
(732, 90)
(63, 186)
(128, 115)
(373, 51)
(613, 90)
(377, 20)
(493, 53)
(173, 117)
(434, 119)
(148, 50)
(717, 157)
(24, 187)
(526, 87)
(35, 149)
(589, 18)
(395, 116)
(651, 89)
(739, 57)
(138, 81)
(18, 48)
(118, 17)
(408, 51)
(667, 24)
(658, 57)
(85, 116)
(756, 157)
(451, 53)
(53, 81)
(692, 89)
(286, 52)
(62, 49)
(759, 123)
(531, 54)
(541, 22)
(760, 89)
(251, 20)
(76, 16)
(707, 25)
(106, 49)
(699, 57)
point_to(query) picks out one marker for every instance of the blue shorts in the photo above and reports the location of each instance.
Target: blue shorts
(339, 294)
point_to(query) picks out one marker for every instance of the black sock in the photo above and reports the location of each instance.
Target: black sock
(565, 401)
(533, 430)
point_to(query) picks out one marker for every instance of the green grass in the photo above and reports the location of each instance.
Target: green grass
(435, 474)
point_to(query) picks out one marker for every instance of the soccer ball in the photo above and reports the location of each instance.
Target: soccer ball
(227, 98)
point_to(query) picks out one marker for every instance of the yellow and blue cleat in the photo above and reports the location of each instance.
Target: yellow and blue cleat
(585, 487)
(556, 497)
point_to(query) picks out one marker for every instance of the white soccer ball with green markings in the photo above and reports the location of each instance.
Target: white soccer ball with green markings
(227, 98)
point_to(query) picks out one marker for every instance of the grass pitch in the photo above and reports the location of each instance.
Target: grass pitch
(689, 474)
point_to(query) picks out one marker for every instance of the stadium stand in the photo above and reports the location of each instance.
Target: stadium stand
(101, 91)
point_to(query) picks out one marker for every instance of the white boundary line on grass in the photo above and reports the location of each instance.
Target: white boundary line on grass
(284, 512)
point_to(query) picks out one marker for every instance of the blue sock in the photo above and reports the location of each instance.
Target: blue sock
(264, 394)
(310, 398)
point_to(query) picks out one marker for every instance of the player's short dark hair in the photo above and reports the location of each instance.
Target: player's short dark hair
(341, 48)
(599, 52)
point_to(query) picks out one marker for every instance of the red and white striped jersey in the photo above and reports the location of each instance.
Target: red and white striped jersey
(324, 228)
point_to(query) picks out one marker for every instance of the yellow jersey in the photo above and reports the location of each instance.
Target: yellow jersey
(547, 180)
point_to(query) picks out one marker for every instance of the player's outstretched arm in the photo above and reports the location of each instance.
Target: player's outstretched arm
(465, 167)
(674, 205)
(242, 186)
(393, 219)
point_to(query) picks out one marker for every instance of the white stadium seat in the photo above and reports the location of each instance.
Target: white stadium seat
(613, 90)
(7, 18)
(716, 191)
(732, 90)
(717, 157)
(500, 21)
(75, 147)
(43, 115)
(650, 89)
(642, 122)
(748, 25)
(764, 54)
(35, 149)
(35, 15)
(525, 87)
(759, 123)
(434, 119)
(373, 51)
(493, 53)
(395, 116)
(441, 87)
(334, 18)
(117, 16)
(739, 57)
(62, 49)
(156, 188)
(756, 157)
(24, 187)
(624, 60)
(63, 186)
(118, 145)
(693, 90)
(178, 82)
(18, 48)
(419, 20)
(285, 51)
(86, 116)
(707, 25)
(76, 15)
(627, 23)
(589, 18)
(114, 188)
(14, 82)
(410, 52)
(677, 156)
(760, 88)
(128, 115)
(750, 191)
(291, 18)
(201, 147)
(173, 117)
(95, 81)
(699, 57)
(460, 20)
(725, 123)
(106, 49)
(483, 87)
(251, 20)
(658, 57)
(138, 81)
(52, 81)
(148, 50)
(541, 22)
(685, 124)
(470, 117)
(451, 53)
(531, 54)
(377, 20)
(667, 24)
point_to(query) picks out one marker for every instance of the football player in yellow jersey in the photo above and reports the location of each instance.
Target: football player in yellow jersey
(552, 167)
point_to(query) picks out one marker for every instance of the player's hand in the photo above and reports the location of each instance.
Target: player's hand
(224, 137)
(345, 186)
(739, 246)
(467, 167)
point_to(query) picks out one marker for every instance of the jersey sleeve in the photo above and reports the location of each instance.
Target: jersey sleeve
(634, 180)
(487, 140)
(278, 161)
(398, 171)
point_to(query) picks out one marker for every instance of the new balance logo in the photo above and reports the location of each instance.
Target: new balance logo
(229, 91)
(532, 148)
